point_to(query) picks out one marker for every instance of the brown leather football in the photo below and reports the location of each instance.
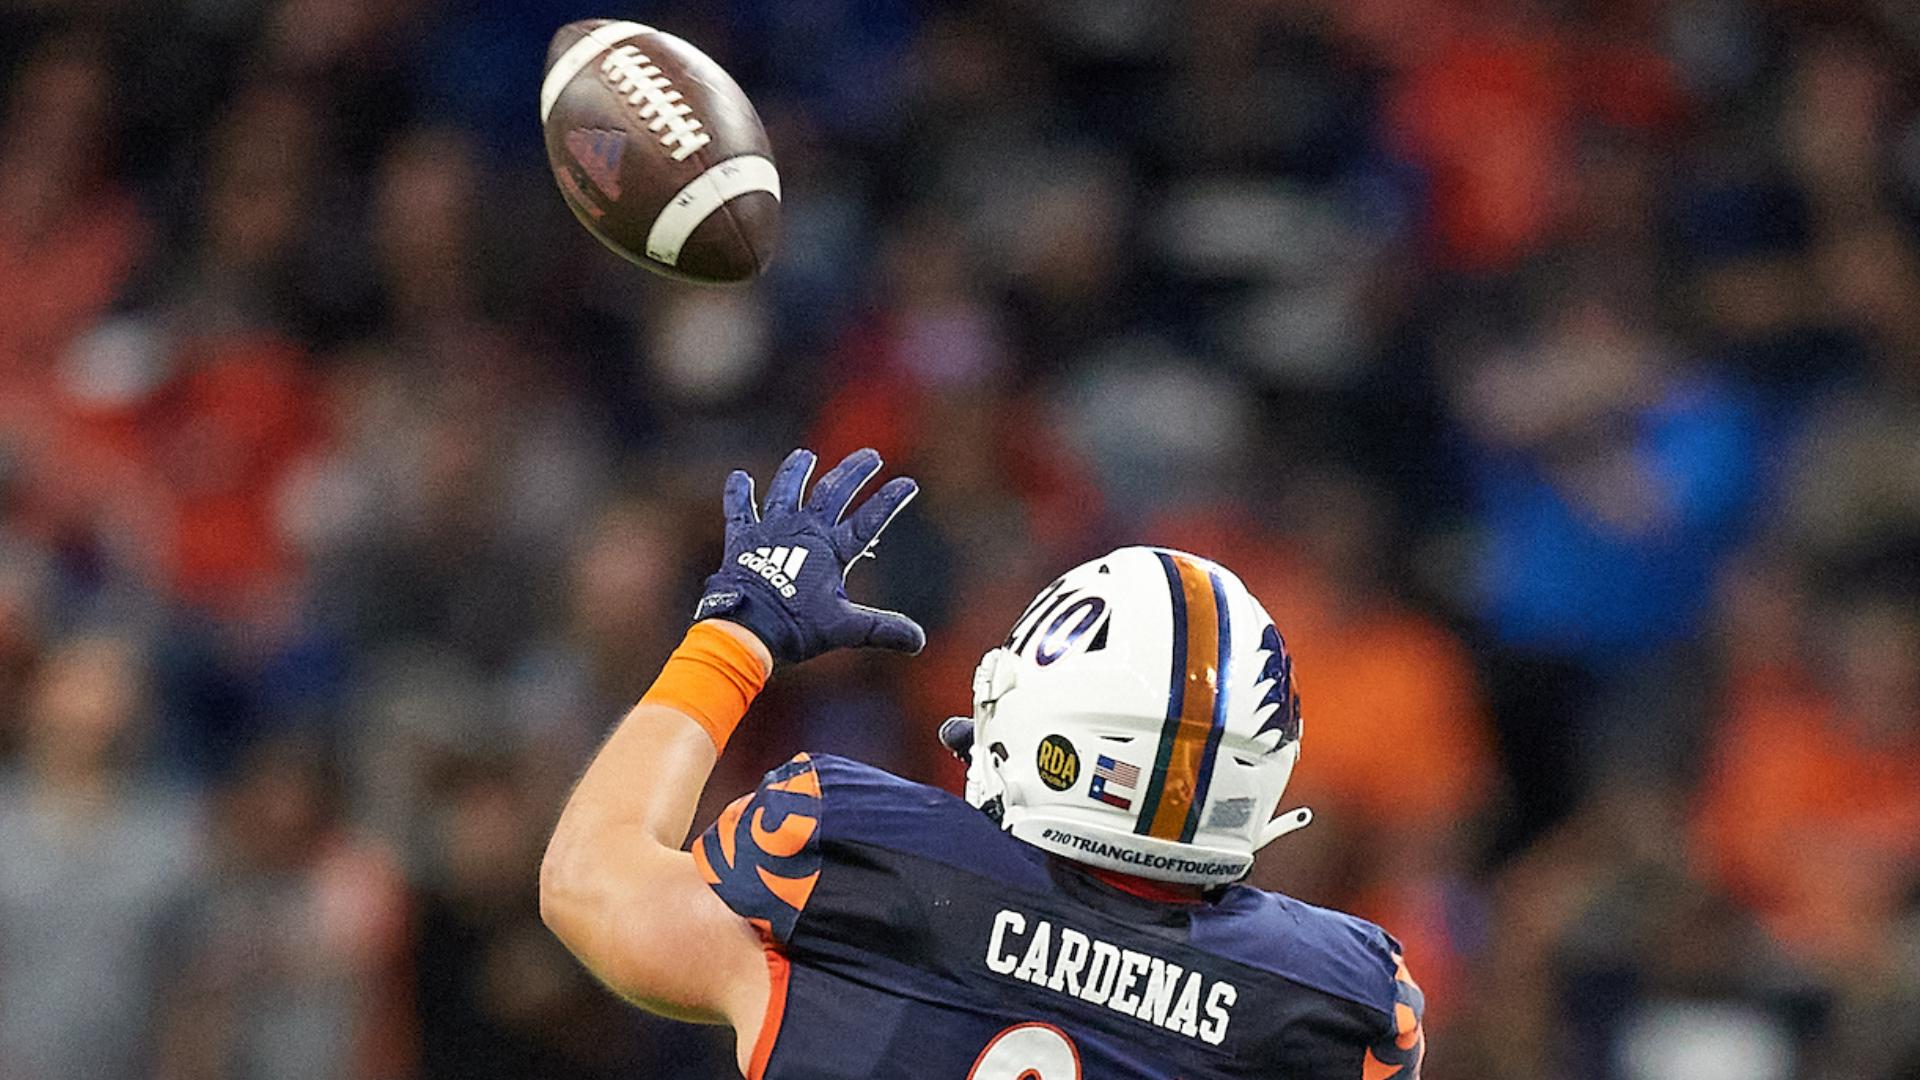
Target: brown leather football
(659, 152)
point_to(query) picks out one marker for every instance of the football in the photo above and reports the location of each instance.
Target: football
(659, 153)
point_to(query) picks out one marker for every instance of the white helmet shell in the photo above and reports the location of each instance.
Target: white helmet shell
(1141, 717)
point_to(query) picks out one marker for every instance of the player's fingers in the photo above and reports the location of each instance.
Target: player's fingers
(892, 630)
(783, 491)
(835, 490)
(737, 499)
(870, 520)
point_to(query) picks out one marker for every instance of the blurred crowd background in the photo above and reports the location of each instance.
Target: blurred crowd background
(1551, 368)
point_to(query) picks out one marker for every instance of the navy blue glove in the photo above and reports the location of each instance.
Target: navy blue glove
(785, 572)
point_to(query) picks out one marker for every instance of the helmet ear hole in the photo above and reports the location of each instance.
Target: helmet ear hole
(999, 751)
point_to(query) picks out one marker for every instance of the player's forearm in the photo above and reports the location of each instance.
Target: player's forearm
(634, 804)
(642, 788)
(617, 839)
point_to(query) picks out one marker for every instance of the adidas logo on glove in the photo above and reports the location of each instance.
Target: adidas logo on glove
(779, 566)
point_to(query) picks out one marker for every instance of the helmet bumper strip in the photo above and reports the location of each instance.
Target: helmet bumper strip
(1142, 856)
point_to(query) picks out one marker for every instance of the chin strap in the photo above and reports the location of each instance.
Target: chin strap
(1291, 821)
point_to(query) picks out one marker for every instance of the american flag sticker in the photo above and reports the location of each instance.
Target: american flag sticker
(1108, 774)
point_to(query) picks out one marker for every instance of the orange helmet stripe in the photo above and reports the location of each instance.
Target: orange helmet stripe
(1187, 736)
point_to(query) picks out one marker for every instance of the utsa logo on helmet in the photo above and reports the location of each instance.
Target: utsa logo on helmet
(1065, 623)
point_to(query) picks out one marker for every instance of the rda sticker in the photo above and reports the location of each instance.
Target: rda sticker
(1059, 764)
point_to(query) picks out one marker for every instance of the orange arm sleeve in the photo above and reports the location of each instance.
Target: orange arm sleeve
(712, 678)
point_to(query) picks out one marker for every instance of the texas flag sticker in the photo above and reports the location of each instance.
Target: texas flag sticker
(1109, 774)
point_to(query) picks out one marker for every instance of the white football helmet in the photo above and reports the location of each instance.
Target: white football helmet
(1141, 717)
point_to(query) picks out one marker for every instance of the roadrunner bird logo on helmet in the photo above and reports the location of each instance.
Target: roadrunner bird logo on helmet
(1140, 717)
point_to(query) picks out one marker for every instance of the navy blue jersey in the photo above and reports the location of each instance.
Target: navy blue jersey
(910, 937)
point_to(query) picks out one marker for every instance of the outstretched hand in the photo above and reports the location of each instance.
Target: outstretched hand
(784, 576)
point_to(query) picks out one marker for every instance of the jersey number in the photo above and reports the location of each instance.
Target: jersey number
(1028, 1052)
